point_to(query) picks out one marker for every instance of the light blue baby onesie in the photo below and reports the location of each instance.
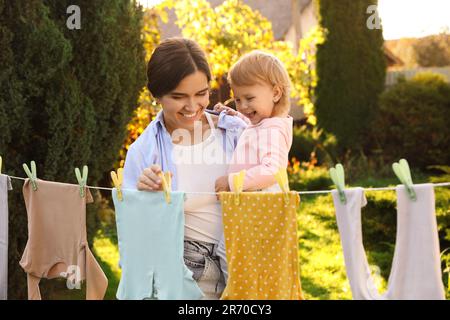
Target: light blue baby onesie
(151, 246)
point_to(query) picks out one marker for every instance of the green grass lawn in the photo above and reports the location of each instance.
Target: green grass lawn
(320, 255)
(107, 252)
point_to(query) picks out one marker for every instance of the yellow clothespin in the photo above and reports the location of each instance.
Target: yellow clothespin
(238, 183)
(282, 179)
(117, 181)
(166, 184)
(0, 164)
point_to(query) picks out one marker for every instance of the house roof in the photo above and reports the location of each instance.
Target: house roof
(392, 59)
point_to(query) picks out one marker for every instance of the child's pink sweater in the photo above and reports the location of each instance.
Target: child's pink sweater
(262, 150)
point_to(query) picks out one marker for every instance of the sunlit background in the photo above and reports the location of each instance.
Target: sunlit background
(403, 18)
(360, 100)
(413, 18)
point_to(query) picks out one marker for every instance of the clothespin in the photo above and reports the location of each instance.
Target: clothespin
(31, 174)
(238, 183)
(282, 179)
(82, 179)
(117, 181)
(401, 170)
(0, 164)
(166, 184)
(337, 175)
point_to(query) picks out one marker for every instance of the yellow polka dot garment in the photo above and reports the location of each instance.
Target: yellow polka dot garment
(261, 246)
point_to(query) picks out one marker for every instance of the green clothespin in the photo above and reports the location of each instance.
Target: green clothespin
(31, 174)
(401, 170)
(337, 175)
(82, 179)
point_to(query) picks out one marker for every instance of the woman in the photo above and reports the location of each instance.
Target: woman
(194, 145)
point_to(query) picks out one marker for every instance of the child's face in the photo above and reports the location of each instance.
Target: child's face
(256, 102)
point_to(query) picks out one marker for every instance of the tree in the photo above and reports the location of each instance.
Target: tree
(147, 105)
(351, 71)
(433, 51)
(67, 96)
(413, 121)
(232, 29)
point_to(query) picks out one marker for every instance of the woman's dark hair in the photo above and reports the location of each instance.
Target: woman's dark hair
(173, 60)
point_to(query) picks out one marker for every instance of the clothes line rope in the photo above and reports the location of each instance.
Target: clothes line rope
(442, 184)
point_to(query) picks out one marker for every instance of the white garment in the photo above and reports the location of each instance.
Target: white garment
(416, 267)
(5, 185)
(198, 166)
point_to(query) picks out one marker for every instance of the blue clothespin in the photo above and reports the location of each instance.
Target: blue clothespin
(82, 179)
(337, 175)
(401, 170)
(31, 174)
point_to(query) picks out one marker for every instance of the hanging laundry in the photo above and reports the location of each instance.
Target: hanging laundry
(151, 245)
(261, 246)
(416, 268)
(57, 243)
(5, 185)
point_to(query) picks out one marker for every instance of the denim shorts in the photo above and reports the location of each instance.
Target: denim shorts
(201, 258)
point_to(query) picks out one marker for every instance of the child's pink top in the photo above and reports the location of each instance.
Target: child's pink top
(262, 150)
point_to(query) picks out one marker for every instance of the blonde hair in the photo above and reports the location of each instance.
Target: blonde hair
(258, 66)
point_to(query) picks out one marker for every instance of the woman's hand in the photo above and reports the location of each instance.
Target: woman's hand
(149, 179)
(222, 185)
(220, 107)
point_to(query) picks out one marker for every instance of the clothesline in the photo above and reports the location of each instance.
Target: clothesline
(442, 184)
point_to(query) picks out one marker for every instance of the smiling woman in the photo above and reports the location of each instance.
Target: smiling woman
(178, 78)
(185, 104)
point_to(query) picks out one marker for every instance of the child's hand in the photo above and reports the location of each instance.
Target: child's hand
(222, 185)
(220, 107)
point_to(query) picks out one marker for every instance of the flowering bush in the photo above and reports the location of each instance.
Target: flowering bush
(307, 176)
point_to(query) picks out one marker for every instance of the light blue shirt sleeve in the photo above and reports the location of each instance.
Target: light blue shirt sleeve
(141, 154)
(133, 167)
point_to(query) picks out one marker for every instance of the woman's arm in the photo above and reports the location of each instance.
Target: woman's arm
(134, 165)
(136, 176)
(140, 172)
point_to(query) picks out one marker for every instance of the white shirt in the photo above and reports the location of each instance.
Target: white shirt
(198, 166)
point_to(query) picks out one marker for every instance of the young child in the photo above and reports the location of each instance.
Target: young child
(260, 86)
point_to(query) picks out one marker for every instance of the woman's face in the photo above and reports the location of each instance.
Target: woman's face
(185, 104)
